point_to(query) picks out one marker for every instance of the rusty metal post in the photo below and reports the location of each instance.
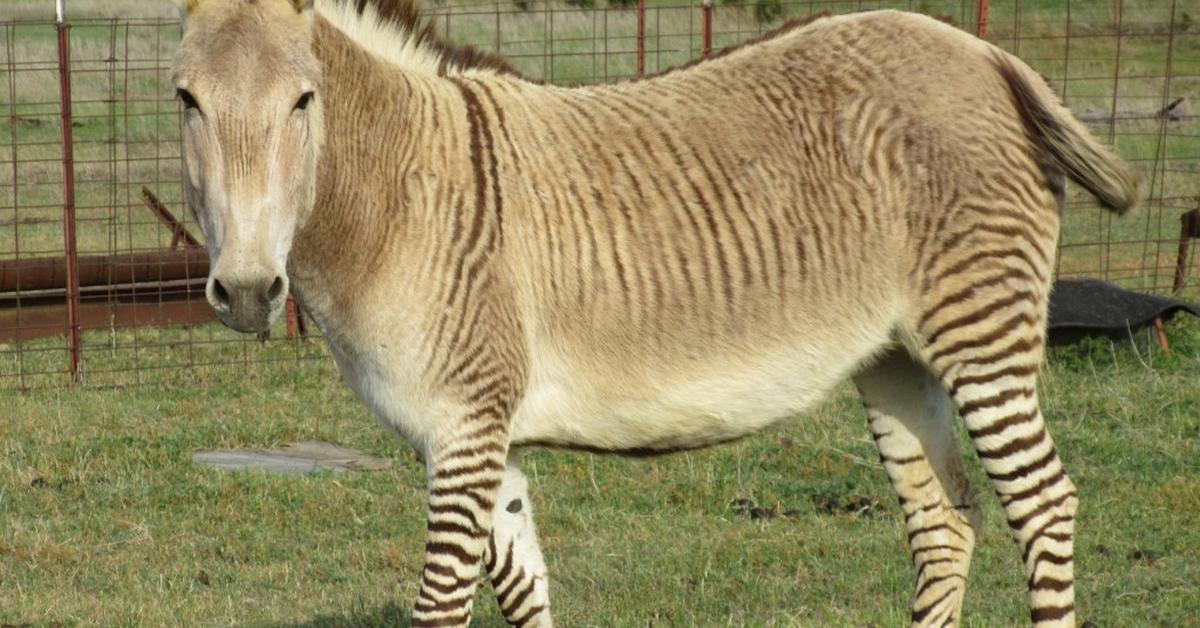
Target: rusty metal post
(1189, 227)
(68, 161)
(641, 38)
(293, 318)
(706, 8)
(982, 13)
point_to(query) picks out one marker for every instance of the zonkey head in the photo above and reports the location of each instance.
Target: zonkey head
(249, 83)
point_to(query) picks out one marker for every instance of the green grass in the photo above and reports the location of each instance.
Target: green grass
(108, 522)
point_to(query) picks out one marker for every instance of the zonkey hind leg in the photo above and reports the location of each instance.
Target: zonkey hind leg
(990, 369)
(513, 558)
(999, 405)
(911, 420)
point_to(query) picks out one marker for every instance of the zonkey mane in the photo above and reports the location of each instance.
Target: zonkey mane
(396, 29)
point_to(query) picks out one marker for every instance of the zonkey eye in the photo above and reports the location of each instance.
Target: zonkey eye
(189, 101)
(305, 99)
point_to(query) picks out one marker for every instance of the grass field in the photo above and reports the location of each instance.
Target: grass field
(106, 521)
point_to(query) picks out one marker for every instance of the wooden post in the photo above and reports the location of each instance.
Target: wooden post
(641, 38)
(982, 13)
(1189, 227)
(68, 160)
(706, 9)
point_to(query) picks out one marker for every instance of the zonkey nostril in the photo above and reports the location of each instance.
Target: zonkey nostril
(220, 293)
(276, 289)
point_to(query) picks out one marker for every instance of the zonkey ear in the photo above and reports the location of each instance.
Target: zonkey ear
(302, 6)
(185, 8)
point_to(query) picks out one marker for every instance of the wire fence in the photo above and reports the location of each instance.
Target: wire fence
(1129, 68)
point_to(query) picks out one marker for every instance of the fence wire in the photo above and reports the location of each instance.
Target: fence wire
(1129, 68)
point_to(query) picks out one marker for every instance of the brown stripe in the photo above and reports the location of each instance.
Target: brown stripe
(478, 450)
(583, 117)
(934, 528)
(975, 405)
(439, 569)
(1051, 613)
(1013, 446)
(727, 183)
(986, 378)
(498, 578)
(1019, 523)
(482, 501)
(446, 589)
(1046, 583)
(1042, 532)
(520, 598)
(998, 426)
(529, 615)
(740, 255)
(980, 314)
(1052, 558)
(901, 461)
(1020, 345)
(1020, 218)
(504, 592)
(1009, 326)
(1049, 481)
(478, 485)
(450, 549)
(922, 509)
(1025, 470)
(935, 548)
(919, 615)
(585, 231)
(934, 561)
(449, 527)
(501, 121)
(971, 291)
(489, 556)
(932, 581)
(998, 254)
(486, 430)
(475, 122)
(923, 483)
(489, 464)
(676, 198)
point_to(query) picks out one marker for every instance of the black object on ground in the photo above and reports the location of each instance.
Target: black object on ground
(1091, 307)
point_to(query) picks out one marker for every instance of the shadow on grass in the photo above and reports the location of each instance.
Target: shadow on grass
(389, 615)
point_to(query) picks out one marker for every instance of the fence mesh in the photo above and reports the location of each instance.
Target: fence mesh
(1129, 68)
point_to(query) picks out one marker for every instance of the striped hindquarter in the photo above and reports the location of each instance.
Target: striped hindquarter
(980, 331)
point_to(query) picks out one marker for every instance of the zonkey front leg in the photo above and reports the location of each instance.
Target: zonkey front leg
(464, 481)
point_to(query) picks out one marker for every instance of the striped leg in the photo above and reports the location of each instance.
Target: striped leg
(911, 420)
(464, 482)
(514, 560)
(988, 358)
